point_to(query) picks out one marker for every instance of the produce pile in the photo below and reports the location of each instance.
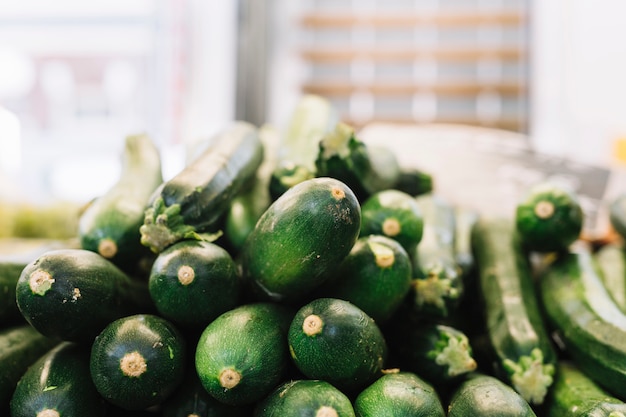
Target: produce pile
(309, 274)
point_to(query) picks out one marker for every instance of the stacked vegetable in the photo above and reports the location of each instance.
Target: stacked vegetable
(267, 279)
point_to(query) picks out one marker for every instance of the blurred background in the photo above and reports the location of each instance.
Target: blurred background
(77, 77)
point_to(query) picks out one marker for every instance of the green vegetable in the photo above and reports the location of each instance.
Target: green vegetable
(9, 275)
(414, 181)
(611, 261)
(617, 214)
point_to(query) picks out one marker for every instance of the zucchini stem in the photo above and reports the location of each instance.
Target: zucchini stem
(133, 364)
(229, 378)
(186, 275)
(544, 209)
(326, 411)
(530, 376)
(107, 248)
(455, 353)
(48, 412)
(163, 226)
(40, 282)
(312, 325)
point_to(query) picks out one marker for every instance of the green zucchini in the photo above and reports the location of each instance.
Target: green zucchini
(20, 347)
(414, 181)
(305, 397)
(611, 260)
(399, 394)
(617, 214)
(334, 340)
(242, 355)
(465, 218)
(138, 361)
(482, 395)
(548, 218)
(191, 203)
(375, 276)
(9, 275)
(192, 282)
(300, 239)
(523, 354)
(585, 319)
(58, 384)
(110, 224)
(72, 294)
(394, 214)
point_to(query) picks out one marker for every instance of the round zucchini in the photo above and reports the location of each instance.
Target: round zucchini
(334, 340)
(192, 282)
(414, 181)
(242, 355)
(138, 361)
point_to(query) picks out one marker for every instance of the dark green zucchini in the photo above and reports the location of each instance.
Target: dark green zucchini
(482, 395)
(20, 347)
(9, 275)
(305, 397)
(465, 218)
(548, 218)
(523, 354)
(72, 294)
(138, 361)
(617, 214)
(192, 282)
(58, 384)
(242, 355)
(191, 203)
(110, 224)
(333, 340)
(611, 260)
(300, 239)
(399, 394)
(585, 318)
(414, 181)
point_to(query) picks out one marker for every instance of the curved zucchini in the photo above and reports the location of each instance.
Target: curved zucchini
(300, 239)
(399, 394)
(58, 384)
(414, 181)
(9, 275)
(522, 349)
(190, 204)
(611, 260)
(110, 224)
(138, 361)
(617, 214)
(72, 294)
(549, 218)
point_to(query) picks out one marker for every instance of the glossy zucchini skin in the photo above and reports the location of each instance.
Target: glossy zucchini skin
(9, 274)
(138, 361)
(523, 353)
(483, 395)
(399, 394)
(611, 261)
(110, 224)
(58, 381)
(305, 397)
(586, 319)
(192, 202)
(72, 294)
(301, 238)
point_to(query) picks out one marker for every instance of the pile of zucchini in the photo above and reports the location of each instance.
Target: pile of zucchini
(243, 287)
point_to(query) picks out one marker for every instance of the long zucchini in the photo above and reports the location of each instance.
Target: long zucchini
(611, 259)
(191, 203)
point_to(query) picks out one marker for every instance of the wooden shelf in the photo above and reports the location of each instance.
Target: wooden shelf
(516, 124)
(327, 20)
(338, 55)
(393, 89)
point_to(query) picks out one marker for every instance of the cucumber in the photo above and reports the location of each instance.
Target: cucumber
(192, 282)
(548, 218)
(334, 340)
(394, 214)
(414, 181)
(190, 204)
(9, 275)
(611, 260)
(585, 319)
(110, 224)
(375, 276)
(300, 239)
(305, 397)
(399, 394)
(482, 395)
(523, 354)
(138, 361)
(242, 355)
(20, 346)
(617, 214)
(58, 384)
(72, 294)
(575, 394)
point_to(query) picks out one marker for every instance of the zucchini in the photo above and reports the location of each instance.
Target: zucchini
(334, 340)
(394, 214)
(191, 203)
(305, 397)
(617, 214)
(611, 259)
(414, 181)
(192, 282)
(465, 218)
(399, 394)
(20, 346)
(585, 319)
(242, 355)
(481, 395)
(58, 384)
(574, 394)
(523, 354)
(548, 218)
(9, 275)
(110, 224)
(300, 239)
(72, 294)
(138, 361)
